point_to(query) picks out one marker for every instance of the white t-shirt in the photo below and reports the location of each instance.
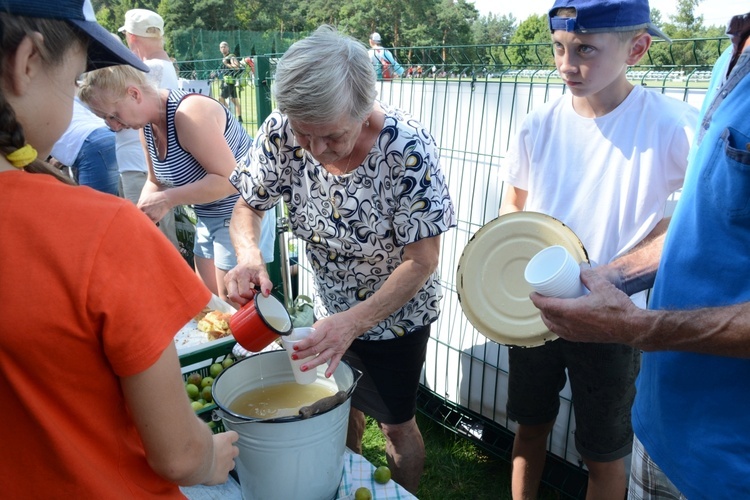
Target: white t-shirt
(84, 122)
(607, 178)
(130, 154)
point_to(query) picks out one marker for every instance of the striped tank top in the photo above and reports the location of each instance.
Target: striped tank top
(180, 168)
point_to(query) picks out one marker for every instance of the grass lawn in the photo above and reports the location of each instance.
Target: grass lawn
(455, 469)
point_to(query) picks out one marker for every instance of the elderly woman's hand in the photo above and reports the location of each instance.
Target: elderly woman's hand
(332, 337)
(241, 282)
(155, 205)
(604, 315)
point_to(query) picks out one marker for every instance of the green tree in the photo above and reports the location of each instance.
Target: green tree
(536, 44)
(318, 12)
(493, 30)
(214, 15)
(111, 13)
(454, 20)
(685, 24)
(689, 55)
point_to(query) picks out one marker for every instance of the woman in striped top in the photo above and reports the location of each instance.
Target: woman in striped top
(193, 145)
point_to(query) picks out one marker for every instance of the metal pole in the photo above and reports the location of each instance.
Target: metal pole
(282, 232)
(263, 87)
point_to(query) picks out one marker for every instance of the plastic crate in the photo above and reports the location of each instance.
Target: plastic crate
(200, 361)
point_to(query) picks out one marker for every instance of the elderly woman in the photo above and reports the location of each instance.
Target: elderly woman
(364, 190)
(193, 145)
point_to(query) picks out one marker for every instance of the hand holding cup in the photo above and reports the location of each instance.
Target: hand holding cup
(554, 272)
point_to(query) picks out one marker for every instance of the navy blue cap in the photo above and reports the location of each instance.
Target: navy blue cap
(103, 51)
(604, 16)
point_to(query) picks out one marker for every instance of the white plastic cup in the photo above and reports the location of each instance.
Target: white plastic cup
(288, 341)
(555, 273)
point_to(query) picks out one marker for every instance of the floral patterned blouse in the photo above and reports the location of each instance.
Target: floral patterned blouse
(356, 225)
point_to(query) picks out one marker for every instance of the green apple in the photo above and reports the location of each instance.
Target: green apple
(382, 474)
(192, 391)
(194, 378)
(215, 369)
(206, 394)
(362, 494)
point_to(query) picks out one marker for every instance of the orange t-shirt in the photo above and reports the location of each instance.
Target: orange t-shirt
(90, 290)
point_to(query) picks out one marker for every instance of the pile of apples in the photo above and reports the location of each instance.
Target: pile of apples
(198, 387)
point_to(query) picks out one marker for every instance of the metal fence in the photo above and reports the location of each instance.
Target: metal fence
(473, 112)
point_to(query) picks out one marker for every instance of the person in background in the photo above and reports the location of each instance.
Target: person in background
(385, 64)
(144, 34)
(230, 73)
(88, 148)
(603, 159)
(110, 417)
(692, 409)
(193, 145)
(364, 189)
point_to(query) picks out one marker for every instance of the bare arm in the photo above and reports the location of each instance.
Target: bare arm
(636, 270)
(513, 201)
(608, 315)
(334, 334)
(230, 62)
(244, 229)
(199, 123)
(152, 185)
(632, 272)
(179, 446)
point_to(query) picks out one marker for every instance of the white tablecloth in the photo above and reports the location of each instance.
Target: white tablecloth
(357, 473)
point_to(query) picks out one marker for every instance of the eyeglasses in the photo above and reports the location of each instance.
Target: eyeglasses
(738, 30)
(110, 118)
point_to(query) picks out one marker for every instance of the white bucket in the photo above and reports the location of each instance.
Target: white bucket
(287, 457)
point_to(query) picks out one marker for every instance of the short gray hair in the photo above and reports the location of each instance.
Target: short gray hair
(324, 75)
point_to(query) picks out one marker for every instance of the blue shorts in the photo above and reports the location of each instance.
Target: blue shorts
(212, 241)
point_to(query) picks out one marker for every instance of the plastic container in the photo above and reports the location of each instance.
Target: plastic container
(289, 341)
(555, 273)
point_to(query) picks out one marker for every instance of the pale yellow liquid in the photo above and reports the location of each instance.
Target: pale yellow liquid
(280, 324)
(278, 400)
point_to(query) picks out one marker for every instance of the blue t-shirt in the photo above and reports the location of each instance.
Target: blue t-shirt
(692, 412)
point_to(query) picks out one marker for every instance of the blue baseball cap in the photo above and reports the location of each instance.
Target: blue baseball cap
(604, 16)
(103, 49)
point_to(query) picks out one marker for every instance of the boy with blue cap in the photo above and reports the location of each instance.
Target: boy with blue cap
(692, 410)
(603, 159)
